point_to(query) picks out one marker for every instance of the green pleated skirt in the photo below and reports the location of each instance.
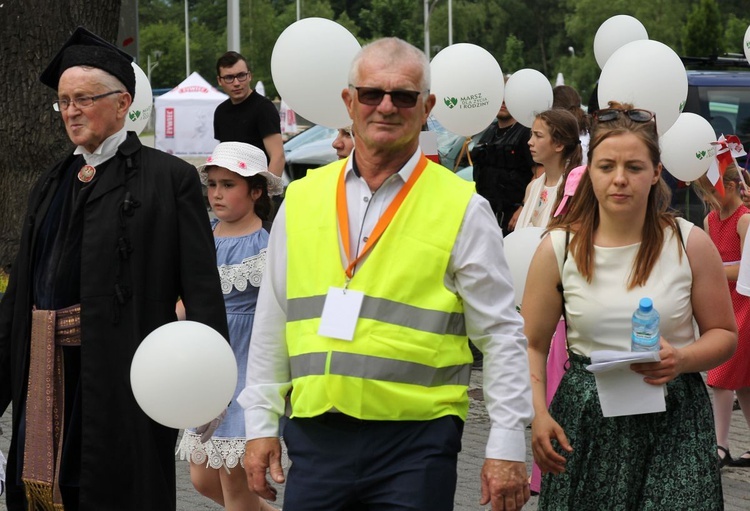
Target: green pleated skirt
(656, 461)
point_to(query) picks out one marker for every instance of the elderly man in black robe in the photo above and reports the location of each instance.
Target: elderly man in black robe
(114, 234)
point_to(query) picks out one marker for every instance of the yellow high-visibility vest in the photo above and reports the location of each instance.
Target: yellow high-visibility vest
(409, 359)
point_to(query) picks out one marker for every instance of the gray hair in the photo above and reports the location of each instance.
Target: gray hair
(107, 80)
(392, 50)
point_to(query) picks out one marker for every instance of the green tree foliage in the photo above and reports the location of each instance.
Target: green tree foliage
(734, 34)
(168, 39)
(702, 34)
(513, 56)
(393, 18)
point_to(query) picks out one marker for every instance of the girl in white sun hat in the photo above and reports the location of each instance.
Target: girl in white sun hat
(239, 190)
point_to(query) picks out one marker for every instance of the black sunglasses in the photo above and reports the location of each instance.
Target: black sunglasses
(400, 98)
(635, 114)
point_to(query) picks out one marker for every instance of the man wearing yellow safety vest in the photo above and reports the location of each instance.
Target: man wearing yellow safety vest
(379, 268)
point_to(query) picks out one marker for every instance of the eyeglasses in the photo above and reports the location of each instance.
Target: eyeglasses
(400, 98)
(241, 77)
(635, 114)
(80, 102)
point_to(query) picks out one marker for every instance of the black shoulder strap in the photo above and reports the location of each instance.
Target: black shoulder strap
(679, 235)
(560, 287)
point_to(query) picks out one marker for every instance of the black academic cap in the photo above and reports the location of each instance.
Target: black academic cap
(84, 48)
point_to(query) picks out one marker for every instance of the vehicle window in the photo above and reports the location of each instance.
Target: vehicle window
(311, 134)
(728, 110)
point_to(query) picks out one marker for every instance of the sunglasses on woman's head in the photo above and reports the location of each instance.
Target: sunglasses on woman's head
(634, 114)
(372, 96)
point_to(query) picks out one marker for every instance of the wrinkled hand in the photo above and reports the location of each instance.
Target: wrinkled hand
(207, 430)
(666, 370)
(262, 454)
(505, 484)
(543, 430)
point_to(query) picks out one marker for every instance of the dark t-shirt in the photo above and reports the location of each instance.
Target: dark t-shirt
(250, 121)
(502, 168)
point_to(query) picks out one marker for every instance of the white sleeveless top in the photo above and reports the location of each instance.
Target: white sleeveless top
(538, 206)
(599, 314)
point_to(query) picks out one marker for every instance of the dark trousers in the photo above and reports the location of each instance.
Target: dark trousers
(344, 464)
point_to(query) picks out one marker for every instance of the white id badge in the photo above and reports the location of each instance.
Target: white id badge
(340, 313)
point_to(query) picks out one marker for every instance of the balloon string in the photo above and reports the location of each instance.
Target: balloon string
(463, 152)
(213, 446)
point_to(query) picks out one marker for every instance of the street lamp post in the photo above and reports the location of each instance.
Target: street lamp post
(187, 42)
(427, 11)
(149, 65)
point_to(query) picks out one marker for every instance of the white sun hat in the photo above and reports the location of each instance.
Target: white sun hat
(244, 159)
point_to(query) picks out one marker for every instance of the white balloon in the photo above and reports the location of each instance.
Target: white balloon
(686, 149)
(746, 44)
(520, 246)
(183, 374)
(614, 33)
(143, 102)
(527, 93)
(310, 67)
(468, 84)
(649, 75)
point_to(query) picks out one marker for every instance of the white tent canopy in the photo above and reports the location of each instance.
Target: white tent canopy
(185, 118)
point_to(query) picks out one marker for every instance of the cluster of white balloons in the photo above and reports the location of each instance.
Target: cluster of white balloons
(650, 75)
(311, 60)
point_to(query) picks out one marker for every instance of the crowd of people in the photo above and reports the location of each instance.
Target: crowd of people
(350, 309)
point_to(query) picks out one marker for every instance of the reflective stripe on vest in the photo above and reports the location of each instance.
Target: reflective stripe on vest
(387, 311)
(378, 368)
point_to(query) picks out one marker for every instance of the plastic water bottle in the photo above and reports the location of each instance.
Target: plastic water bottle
(645, 336)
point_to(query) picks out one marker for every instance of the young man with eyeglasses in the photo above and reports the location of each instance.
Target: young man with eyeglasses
(247, 116)
(114, 234)
(379, 267)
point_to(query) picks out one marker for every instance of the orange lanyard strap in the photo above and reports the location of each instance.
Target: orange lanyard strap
(342, 212)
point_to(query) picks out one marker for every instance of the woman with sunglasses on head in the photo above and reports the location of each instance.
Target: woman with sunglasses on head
(616, 244)
(727, 225)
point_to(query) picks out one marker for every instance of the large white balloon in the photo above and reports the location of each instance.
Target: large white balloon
(468, 84)
(183, 374)
(527, 93)
(143, 102)
(686, 149)
(520, 246)
(310, 67)
(614, 33)
(746, 44)
(649, 75)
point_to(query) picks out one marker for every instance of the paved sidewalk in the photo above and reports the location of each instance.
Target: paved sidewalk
(736, 481)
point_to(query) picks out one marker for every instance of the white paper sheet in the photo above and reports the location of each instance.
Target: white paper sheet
(621, 390)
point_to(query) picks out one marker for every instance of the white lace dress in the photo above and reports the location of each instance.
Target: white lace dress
(241, 263)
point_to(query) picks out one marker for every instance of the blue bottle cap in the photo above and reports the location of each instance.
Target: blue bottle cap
(646, 304)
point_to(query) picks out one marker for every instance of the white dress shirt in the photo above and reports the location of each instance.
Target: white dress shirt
(477, 272)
